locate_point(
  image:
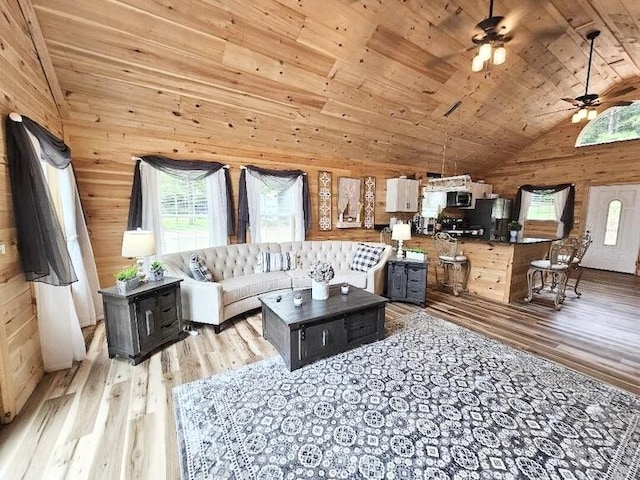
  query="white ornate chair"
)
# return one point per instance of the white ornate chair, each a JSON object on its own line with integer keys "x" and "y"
{"x": 451, "y": 262}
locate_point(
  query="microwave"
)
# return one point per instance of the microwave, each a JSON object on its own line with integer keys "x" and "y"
{"x": 459, "y": 199}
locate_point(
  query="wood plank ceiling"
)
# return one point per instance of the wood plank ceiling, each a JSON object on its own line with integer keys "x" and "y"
{"x": 359, "y": 79}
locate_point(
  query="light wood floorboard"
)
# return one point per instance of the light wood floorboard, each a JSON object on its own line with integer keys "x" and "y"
{"x": 106, "y": 419}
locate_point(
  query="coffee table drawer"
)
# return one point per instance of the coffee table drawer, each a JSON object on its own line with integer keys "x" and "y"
{"x": 321, "y": 340}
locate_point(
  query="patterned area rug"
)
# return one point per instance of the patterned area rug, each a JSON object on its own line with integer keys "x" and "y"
{"x": 431, "y": 401}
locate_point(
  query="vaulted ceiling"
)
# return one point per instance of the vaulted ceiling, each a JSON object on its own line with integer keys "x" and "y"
{"x": 353, "y": 79}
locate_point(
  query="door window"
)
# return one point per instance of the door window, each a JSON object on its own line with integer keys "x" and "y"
{"x": 613, "y": 223}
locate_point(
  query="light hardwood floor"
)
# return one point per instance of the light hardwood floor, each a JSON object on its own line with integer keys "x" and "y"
{"x": 106, "y": 419}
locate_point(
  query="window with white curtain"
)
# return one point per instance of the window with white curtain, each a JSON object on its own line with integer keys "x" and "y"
{"x": 185, "y": 209}
{"x": 184, "y": 213}
{"x": 277, "y": 223}
{"x": 542, "y": 207}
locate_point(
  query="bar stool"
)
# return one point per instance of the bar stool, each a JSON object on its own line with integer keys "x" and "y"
{"x": 557, "y": 267}
{"x": 451, "y": 263}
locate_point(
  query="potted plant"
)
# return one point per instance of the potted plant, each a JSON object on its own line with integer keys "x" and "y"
{"x": 127, "y": 279}
{"x": 514, "y": 227}
{"x": 156, "y": 270}
{"x": 418, "y": 254}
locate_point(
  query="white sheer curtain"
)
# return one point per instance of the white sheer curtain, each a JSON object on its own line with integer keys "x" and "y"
{"x": 525, "y": 203}
{"x": 559, "y": 203}
{"x": 217, "y": 198}
{"x": 63, "y": 310}
{"x": 216, "y": 188}
{"x": 254, "y": 193}
{"x": 298, "y": 212}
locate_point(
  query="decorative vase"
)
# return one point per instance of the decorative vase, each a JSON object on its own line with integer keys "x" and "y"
{"x": 319, "y": 290}
{"x": 156, "y": 275}
{"x": 514, "y": 235}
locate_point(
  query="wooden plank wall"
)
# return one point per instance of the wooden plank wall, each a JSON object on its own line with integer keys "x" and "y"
{"x": 554, "y": 159}
{"x": 23, "y": 88}
{"x": 104, "y": 172}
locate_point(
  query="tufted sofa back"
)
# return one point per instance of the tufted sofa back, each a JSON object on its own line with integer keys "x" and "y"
{"x": 230, "y": 261}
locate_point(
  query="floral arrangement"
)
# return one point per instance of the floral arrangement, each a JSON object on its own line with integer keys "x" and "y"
{"x": 320, "y": 271}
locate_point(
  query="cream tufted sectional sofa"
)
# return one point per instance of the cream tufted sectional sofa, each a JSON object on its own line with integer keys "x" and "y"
{"x": 236, "y": 286}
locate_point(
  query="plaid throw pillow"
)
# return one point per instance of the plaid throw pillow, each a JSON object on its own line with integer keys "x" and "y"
{"x": 366, "y": 257}
{"x": 199, "y": 269}
{"x": 276, "y": 261}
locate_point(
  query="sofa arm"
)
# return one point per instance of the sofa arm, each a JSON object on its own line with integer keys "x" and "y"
{"x": 202, "y": 301}
{"x": 376, "y": 276}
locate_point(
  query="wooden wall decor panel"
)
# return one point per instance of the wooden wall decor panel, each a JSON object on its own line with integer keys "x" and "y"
{"x": 24, "y": 89}
{"x": 369, "y": 202}
{"x": 324, "y": 201}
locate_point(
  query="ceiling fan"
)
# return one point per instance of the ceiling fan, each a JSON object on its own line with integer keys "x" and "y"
{"x": 586, "y": 103}
{"x": 491, "y": 33}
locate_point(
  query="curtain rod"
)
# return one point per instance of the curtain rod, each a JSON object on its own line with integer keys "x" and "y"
{"x": 135, "y": 159}
{"x": 242, "y": 167}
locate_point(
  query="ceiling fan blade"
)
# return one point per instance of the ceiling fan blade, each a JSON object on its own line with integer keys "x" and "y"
{"x": 555, "y": 111}
{"x": 572, "y": 101}
{"x": 617, "y": 103}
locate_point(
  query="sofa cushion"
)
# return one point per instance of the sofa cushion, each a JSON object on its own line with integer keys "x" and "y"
{"x": 199, "y": 269}
{"x": 276, "y": 261}
{"x": 239, "y": 288}
{"x": 366, "y": 257}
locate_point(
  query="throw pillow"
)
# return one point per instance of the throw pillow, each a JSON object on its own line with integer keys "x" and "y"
{"x": 276, "y": 261}
{"x": 366, "y": 257}
{"x": 199, "y": 269}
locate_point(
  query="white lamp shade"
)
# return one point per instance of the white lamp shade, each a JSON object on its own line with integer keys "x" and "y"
{"x": 575, "y": 118}
{"x": 138, "y": 243}
{"x": 401, "y": 231}
{"x": 592, "y": 114}
{"x": 499, "y": 55}
{"x": 485, "y": 51}
{"x": 477, "y": 64}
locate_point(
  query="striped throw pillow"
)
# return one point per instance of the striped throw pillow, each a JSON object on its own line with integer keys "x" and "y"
{"x": 276, "y": 261}
{"x": 199, "y": 269}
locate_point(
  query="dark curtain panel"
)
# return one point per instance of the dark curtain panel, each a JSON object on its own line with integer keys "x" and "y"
{"x": 41, "y": 242}
{"x": 171, "y": 167}
{"x": 567, "y": 213}
{"x": 243, "y": 207}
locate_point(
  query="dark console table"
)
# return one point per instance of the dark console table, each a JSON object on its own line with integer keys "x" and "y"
{"x": 321, "y": 328}
{"x": 143, "y": 319}
{"x": 407, "y": 280}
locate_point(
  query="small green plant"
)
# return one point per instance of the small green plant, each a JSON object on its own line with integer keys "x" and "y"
{"x": 415, "y": 249}
{"x": 127, "y": 273}
{"x": 156, "y": 266}
{"x": 514, "y": 225}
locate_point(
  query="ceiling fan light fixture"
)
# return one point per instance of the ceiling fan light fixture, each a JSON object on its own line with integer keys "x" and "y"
{"x": 477, "y": 64}
{"x": 575, "y": 118}
{"x": 592, "y": 114}
{"x": 499, "y": 55}
{"x": 582, "y": 114}
{"x": 485, "y": 52}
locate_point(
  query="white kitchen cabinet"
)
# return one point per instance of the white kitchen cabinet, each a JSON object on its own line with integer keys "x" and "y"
{"x": 402, "y": 195}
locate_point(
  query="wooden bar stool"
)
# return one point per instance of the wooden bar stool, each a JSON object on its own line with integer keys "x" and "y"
{"x": 555, "y": 268}
{"x": 451, "y": 263}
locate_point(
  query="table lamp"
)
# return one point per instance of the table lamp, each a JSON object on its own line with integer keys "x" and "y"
{"x": 401, "y": 232}
{"x": 140, "y": 244}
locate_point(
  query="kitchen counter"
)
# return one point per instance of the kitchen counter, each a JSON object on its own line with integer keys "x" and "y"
{"x": 498, "y": 268}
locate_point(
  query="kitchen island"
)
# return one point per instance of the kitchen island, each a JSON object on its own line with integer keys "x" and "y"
{"x": 498, "y": 268}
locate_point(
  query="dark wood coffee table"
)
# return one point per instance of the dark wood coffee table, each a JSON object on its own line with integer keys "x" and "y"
{"x": 321, "y": 328}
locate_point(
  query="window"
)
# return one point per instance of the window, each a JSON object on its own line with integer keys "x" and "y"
{"x": 276, "y": 218}
{"x": 542, "y": 206}
{"x": 613, "y": 223}
{"x": 615, "y": 124}
{"x": 184, "y": 223}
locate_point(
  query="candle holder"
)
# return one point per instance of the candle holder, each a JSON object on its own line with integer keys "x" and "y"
{"x": 297, "y": 299}
{"x": 344, "y": 288}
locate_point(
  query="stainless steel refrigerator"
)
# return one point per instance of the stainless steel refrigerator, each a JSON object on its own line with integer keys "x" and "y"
{"x": 492, "y": 214}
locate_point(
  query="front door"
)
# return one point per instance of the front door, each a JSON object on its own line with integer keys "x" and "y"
{"x": 613, "y": 217}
